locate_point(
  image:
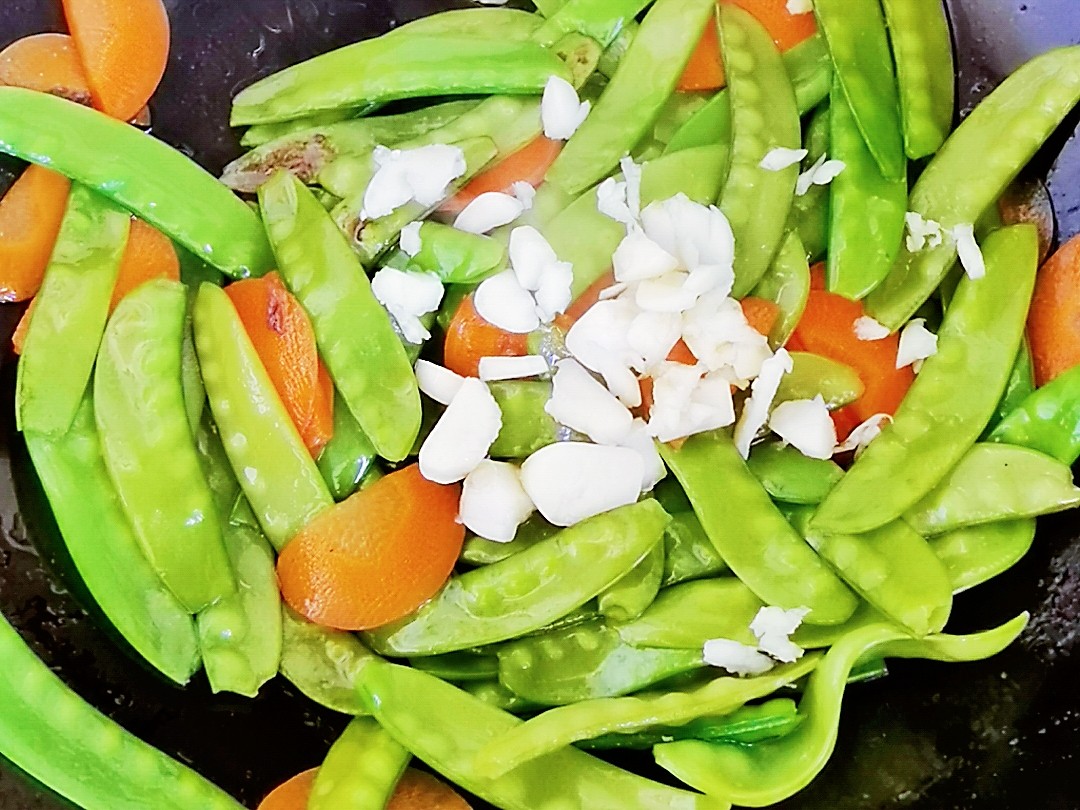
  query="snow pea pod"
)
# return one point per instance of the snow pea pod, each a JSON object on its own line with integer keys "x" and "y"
{"x": 1047, "y": 420}
{"x": 275, "y": 470}
{"x": 634, "y": 97}
{"x": 446, "y": 727}
{"x": 349, "y": 457}
{"x": 495, "y": 694}
{"x": 149, "y": 178}
{"x": 529, "y": 590}
{"x": 953, "y": 397}
{"x": 977, "y": 554}
{"x": 141, "y": 418}
{"x": 760, "y": 775}
{"x": 385, "y": 69}
{"x": 755, "y": 200}
{"x": 456, "y": 257}
{"x": 459, "y": 667}
{"x": 494, "y": 23}
{"x": 859, "y": 44}
{"x": 922, "y": 48}
{"x": 752, "y": 536}
{"x": 1021, "y": 385}
{"x": 361, "y": 769}
{"x": 812, "y": 375}
{"x": 261, "y": 134}
{"x": 994, "y": 482}
{"x": 810, "y": 213}
{"x": 789, "y": 476}
{"x": 353, "y": 331}
{"x": 105, "y": 552}
{"x": 866, "y": 209}
{"x": 526, "y": 426}
{"x": 586, "y": 662}
{"x": 688, "y": 552}
{"x": 630, "y": 596}
{"x": 686, "y": 616}
{"x": 600, "y": 20}
{"x": 974, "y": 167}
{"x": 787, "y": 284}
{"x": 478, "y": 551}
{"x": 323, "y": 664}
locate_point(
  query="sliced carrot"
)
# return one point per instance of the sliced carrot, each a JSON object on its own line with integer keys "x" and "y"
{"x": 1054, "y": 319}
{"x": 293, "y": 794}
{"x": 419, "y": 790}
{"x": 321, "y": 427}
{"x": 124, "y": 46}
{"x": 375, "y": 557}
{"x": 705, "y": 70}
{"x": 30, "y": 216}
{"x": 470, "y": 337}
{"x": 149, "y": 254}
{"x": 760, "y": 313}
{"x": 18, "y": 337}
{"x": 282, "y": 335}
{"x": 48, "y": 63}
{"x": 529, "y": 164}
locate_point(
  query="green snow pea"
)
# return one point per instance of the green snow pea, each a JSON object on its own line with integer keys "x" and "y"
{"x": 526, "y": 426}
{"x": 456, "y": 257}
{"x": 866, "y": 209}
{"x": 51, "y": 734}
{"x": 787, "y": 284}
{"x": 349, "y": 457}
{"x": 275, "y": 469}
{"x": 680, "y": 108}
{"x": 446, "y": 727}
{"x": 105, "y": 552}
{"x": 1047, "y": 420}
{"x": 507, "y": 599}
{"x": 151, "y": 179}
{"x": 750, "y": 533}
{"x": 809, "y": 216}
{"x": 953, "y": 397}
{"x": 585, "y": 662}
{"x": 859, "y": 44}
{"x": 495, "y": 694}
{"x": 141, "y": 418}
{"x": 812, "y": 375}
{"x": 565, "y": 725}
{"x": 323, "y": 664}
{"x": 688, "y": 552}
{"x": 600, "y": 20}
{"x": 977, "y": 554}
{"x": 632, "y": 594}
{"x": 70, "y": 315}
{"x": 353, "y": 331}
{"x": 974, "y": 167}
{"x": 1021, "y": 385}
{"x": 636, "y": 94}
{"x": 478, "y": 551}
{"x": 190, "y": 376}
{"x": 459, "y": 667}
{"x": 995, "y": 482}
{"x": 361, "y": 770}
{"x": 922, "y": 48}
{"x": 764, "y": 117}
{"x": 686, "y": 616}
{"x": 261, "y": 134}
{"x": 791, "y": 477}
{"x": 398, "y": 67}
{"x": 762, "y": 774}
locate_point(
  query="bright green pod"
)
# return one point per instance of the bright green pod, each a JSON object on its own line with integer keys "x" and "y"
{"x": 630, "y": 596}
{"x": 459, "y": 667}
{"x": 787, "y": 284}
{"x": 526, "y": 425}
{"x": 361, "y": 769}
{"x": 457, "y": 257}
{"x": 686, "y": 616}
{"x": 478, "y": 551}
{"x": 349, "y": 457}
{"x": 976, "y": 555}
{"x": 1021, "y": 385}
{"x": 688, "y": 552}
{"x": 791, "y": 477}
{"x": 601, "y": 20}
{"x": 812, "y": 375}
{"x": 323, "y": 664}
{"x": 1047, "y": 420}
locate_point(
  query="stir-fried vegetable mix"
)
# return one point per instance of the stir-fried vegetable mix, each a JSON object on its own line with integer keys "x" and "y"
{"x": 656, "y": 371}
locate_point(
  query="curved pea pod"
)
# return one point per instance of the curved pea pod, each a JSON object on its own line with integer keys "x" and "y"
{"x": 141, "y": 417}
{"x": 70, "y": 314}
{"x": 191, "y": 383}
{"x": 922, "y": 48}
{"x": 974, "y": 167}
{"x": 688, "y": 552}
{"x": 787, "y": 284}
{"x": 105, "y": 552}
{"x": 144, "y": 175}
{"x": 349, "y": 458}
{"x": 495, "y": 694}
{"x": 791, "y": 477}
{"x": 760, "y": 775}
{"x": 686, "y": 616}
{"x": 324, "y": 664}
{"x": 1047, "y": 420}
{"x": 813, "y": 375}
{"x": 565, "y": 725}
{"x": 995, "y": 482}
{"x": 977, "y": 554}
{"x": 531, "y": 589}
{"x": 459, "y": 667}
{"x": 478, "y": 551}
{"x": 752, "y": 536}
{"x": 275, "y": 470}
{"x": 457, "y": 257}
{"x": 445, "y": 728}
{"x": 262, "y": 134}
{"x": 600, "y": 20}
{"x": 361, "y": 769}
{"x": 526, "y": 426}
{"x": 809, "y": 216}
{"x": 630, "y": 596}
{"x": 1021, "y": 385}
{"x": 355, "y": 337}
{"x": 953, "y": 397}
{"x": 504, "y": 23}
{"x": 680, "y": 108}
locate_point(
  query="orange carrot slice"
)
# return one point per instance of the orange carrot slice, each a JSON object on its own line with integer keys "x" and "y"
{"x": 149, "y": 254}
{"x": 293, "y": 794}
{"x": 470, "y": 337}
{"x": 375, "y": 557}
{"x": 419, "y": 790}
{"x": 705, "y": 70}
{"x": 30, "y": 216}
{"x": 1054, "y": 319}
{"x": 48, "y": 63}
{"x": 18, "y": 337}
{"x": 760, "y": 313}
{"x": 529, "y": 164}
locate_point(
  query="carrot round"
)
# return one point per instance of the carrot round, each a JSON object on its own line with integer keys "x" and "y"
{"x": 30, "y": 216}
{"x": 529, "y": 164}
{"x": 149, "y": 254}
{"x": 760, "y": 313}
{"x": 1054, "y": 319}
{"x": 375, "y": 557}
{"x": 291, "y": 795}
{"x": 48, "y": 63}
{"x": 469, "y": 337}
{"x": 18, "y": 337}
{"x": 419, "y": 790}
{"x": 124, "y": 46}
{"x": 705, "y": 70}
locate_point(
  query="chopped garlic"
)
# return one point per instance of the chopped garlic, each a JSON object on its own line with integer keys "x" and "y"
{"x": 408, "y": 296}
{"x": 503, "y": 302}
{"x": 555, "y": 291}
{"x": 736, "y": 658}
{"x": 638, "y": 258}
{"x": 922, "y": 232}
{"x": 561, "y": 111}
{"x": 653, "y": 335}
{"x": 718, "y": 334}
{"x": 401, "y": 176}
{"x": 493, "y": 501}
{"x": 572, "y": 481}
{"x": 793, "y": 6}
{"x": 687, "y": 401}
{"x": 666, "y": 293}
{"x": 489, "y": 211}
{"x": 971, "y": 257}
{"x": 916, "y": 343}
{"x": 512, "y": 368}
{"x": 524, "y": 192}
{"x": 438, "y": 383}
{"x": 859, "y": 439}
{"x": 866, "y": 328}
{"x": 696, "y": 235}
{"x": 773, "y": 626}
{"x": 822, "y": 173}
{"x": 611, "y": 201}
{"x": 530, "y": 253}
{"x": 805, "y": 424}
{"x": 463, "y": 435}
{"x": 640, "y": 440}
{"x": 598, "y": 340}
{"x": 632, "y": 178}
{"x": 782, "y": 158}
{"x": 756, "y": 409}
{"x": 583, "y": 404}
{"x": 410, "y": 239}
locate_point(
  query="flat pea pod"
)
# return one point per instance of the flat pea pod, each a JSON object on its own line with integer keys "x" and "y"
{"x": 697, "y": 173}
{"x": 584, "y": 662}
{"x": 812, "y": 375}
{"x": 688, "y": 552}
{"x": 809, "y": 216}
{"x": 354, "y": 334}
{"x": 275, "y": 469}
{"x": 995, "y": 482}
{"x": 457, "y": 257}
{"x": 601, "y": 20}
{"x": 791, "y": 477}
{"x": 974, "y": 167}
{"x": 141, "y": 418}
{"x": 398, "y": 67}
{"x": 680, "y": 108}
{"x": 529, "y": 590}
{"x": 495, "y": 694}
{"x": 755, "y": 200}
{"x": 977, "y": 554}
{"x": 952, "y": 398}
{"x": 323, "y": 664}
{"x": 349, "y": 458}
{"x": 787, "y": 284}
{"x": 866, "y": 209}
{"x": 686, "y": 616}
{"x": 1047, "y": 420}
{"x": 445, "y": 728}
{"x": 478, "y": 551}
{"x": 922, "y": 48}
{"x": 70, "y": 315}
{"x": 634, "y": 97}
{"x": 632, "y": 594}
{"x": 504, "y": 23}
{"x": 1021, "y": 385}
{"x": 526, "y": 426}
{"x": 752, "y": 536}
{"x": 262, "y": 134}
{"x": 459, "y": 667}
{"x": 191, "y": 384}
{"x": 361, "y": 770}
{"x": 149, "y": 178}
{"x": 763, "y": 774}
{"x": 105, "y": 552}
{"x": 565, "y": 725}
{"x": 859, "y": 45}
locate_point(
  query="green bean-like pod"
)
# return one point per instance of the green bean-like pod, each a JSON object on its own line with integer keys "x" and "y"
{"x": 361, "y": 769}
{"x": 787, "y": 284}
{"x": 812, "y": 375}
{"x": 1047, "y": 420}
{"x": 791, "y": 477}
{"x": 324, "y": 664}
{"x": 809, "y": 216}
{"x": 1021, "y": 385}
{"x": 630, "y": 596}
{"x": 978, "y": 554}
{"x": 686, "y": 616}
{"x": 688, "y": 552}
{"x": 459, "y": 667}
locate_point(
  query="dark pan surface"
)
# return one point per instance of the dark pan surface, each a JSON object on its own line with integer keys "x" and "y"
{"x": 997, "y": 735}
